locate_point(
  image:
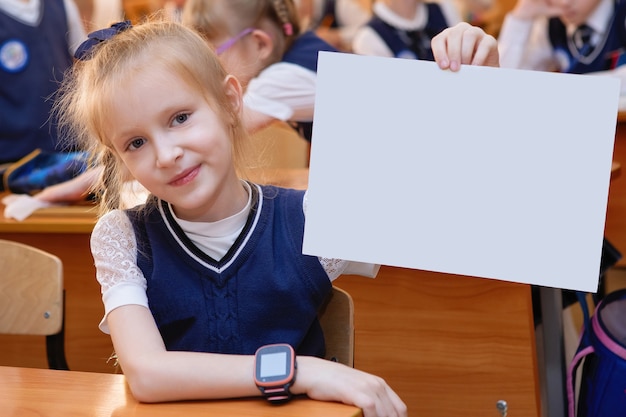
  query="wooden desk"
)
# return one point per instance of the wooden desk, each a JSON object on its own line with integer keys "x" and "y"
{"x": 449, "y": 345}
{"x": 47, "y": 393}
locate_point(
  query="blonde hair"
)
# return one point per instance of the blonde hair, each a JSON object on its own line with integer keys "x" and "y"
{"x": 226, "y": 18}
{"x": 88, "y": 92}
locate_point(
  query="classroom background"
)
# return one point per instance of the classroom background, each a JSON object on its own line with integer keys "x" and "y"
{"x": 414, "y": 342}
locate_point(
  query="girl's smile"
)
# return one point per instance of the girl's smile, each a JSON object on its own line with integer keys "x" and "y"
{"x": 185, "y": 177}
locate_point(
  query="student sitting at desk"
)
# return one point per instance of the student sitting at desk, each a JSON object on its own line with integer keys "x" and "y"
{"x": 260, "y": 41}
{"x": 210, "y": 268}
{"x": 578, "y": 37}
{"x": 37, "y": 40}
{"x": 404, "y": 28}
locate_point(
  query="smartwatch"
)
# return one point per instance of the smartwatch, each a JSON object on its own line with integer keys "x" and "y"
{"x": 275, "y": 371}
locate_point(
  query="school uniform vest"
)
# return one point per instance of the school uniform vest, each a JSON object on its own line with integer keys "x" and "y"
{"x": 303, "y": 52}
{"x": 608, "y": 52}
{"x": 262, "y": 291}
{"x": 32, "y": 62}
{"x": 413, "y": 44}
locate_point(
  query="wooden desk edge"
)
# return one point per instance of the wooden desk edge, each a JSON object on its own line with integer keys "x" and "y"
{"x": 67, "y": 388}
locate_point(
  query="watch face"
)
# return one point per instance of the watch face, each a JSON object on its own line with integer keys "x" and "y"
{"x": 274, "y": 364}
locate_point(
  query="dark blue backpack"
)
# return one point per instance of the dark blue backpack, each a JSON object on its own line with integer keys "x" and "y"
{"x": 602, "y": 353}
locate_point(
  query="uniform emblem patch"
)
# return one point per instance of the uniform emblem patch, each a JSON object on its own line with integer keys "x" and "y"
{"x": 13, "y": 56}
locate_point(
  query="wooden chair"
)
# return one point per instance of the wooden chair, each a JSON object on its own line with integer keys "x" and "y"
{"x": 337, "y": 320}
{"x": 32, "y": 297}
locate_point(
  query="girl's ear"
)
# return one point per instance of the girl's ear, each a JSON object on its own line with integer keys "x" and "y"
{"x": 234, "y": 93}
{"x": 263, "y": 42}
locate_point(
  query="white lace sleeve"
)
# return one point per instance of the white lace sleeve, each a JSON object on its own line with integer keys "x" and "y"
{"x": 336, "y": 267}
{"x": 114, "y": 250}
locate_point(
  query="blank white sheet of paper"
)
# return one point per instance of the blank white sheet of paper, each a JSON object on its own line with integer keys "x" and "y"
{"x": 485, "y": 172}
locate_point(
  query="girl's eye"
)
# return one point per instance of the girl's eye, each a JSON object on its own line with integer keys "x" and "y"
{"x": 181, "y": 118}
{"x": 136, "y": 144}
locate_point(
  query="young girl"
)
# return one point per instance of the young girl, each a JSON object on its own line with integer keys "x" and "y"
{"x": 259, "y": 41}
{"x": 210, "y": 268}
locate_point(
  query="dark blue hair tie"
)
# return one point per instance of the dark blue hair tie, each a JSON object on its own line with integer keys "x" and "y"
{"x": 84, "y": 50}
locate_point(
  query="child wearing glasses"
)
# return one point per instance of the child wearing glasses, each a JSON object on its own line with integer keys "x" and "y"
{"x": 260, "y": 42}
{"x": 210, "y": 268}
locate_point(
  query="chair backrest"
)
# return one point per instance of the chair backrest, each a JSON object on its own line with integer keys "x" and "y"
{"x": 32, "y": 297}
{"x": 337, "y": 320}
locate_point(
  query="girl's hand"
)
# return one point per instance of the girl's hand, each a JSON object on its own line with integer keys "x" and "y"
{"x": 331, "y": 381}
{"x": 464, "y": 44}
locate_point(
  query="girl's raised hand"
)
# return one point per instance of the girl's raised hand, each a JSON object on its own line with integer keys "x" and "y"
{"x": 464, "y": 44}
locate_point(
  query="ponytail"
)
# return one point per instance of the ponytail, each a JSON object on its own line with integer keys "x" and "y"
{"x": 285, "y": 9}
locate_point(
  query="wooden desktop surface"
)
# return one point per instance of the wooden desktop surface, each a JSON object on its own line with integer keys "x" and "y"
{"x": 449, "y": 345}
{"x": 47, "y": 393}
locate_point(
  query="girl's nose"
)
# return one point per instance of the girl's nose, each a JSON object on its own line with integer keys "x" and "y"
{"x": 167, "y": 154}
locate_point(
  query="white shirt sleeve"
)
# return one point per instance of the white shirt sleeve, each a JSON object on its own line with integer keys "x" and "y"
{"x": 283, "y": 91}
{"x": 367, "y": 42}
{"x": 75, "y": 26}
{"x": 114, "y": 249}
{"x": 524, "y": 44}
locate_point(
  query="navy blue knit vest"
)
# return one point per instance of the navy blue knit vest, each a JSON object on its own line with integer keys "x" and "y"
{"x": 32, "y": 62}
{"x": 608, "y": 53}
{"x": 414, "y": 44}
{"x": 262, "y": 291}
{"x": 303, "y": 52}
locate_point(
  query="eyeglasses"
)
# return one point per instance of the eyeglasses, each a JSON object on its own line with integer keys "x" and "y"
{"x": 230, "y": 42}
